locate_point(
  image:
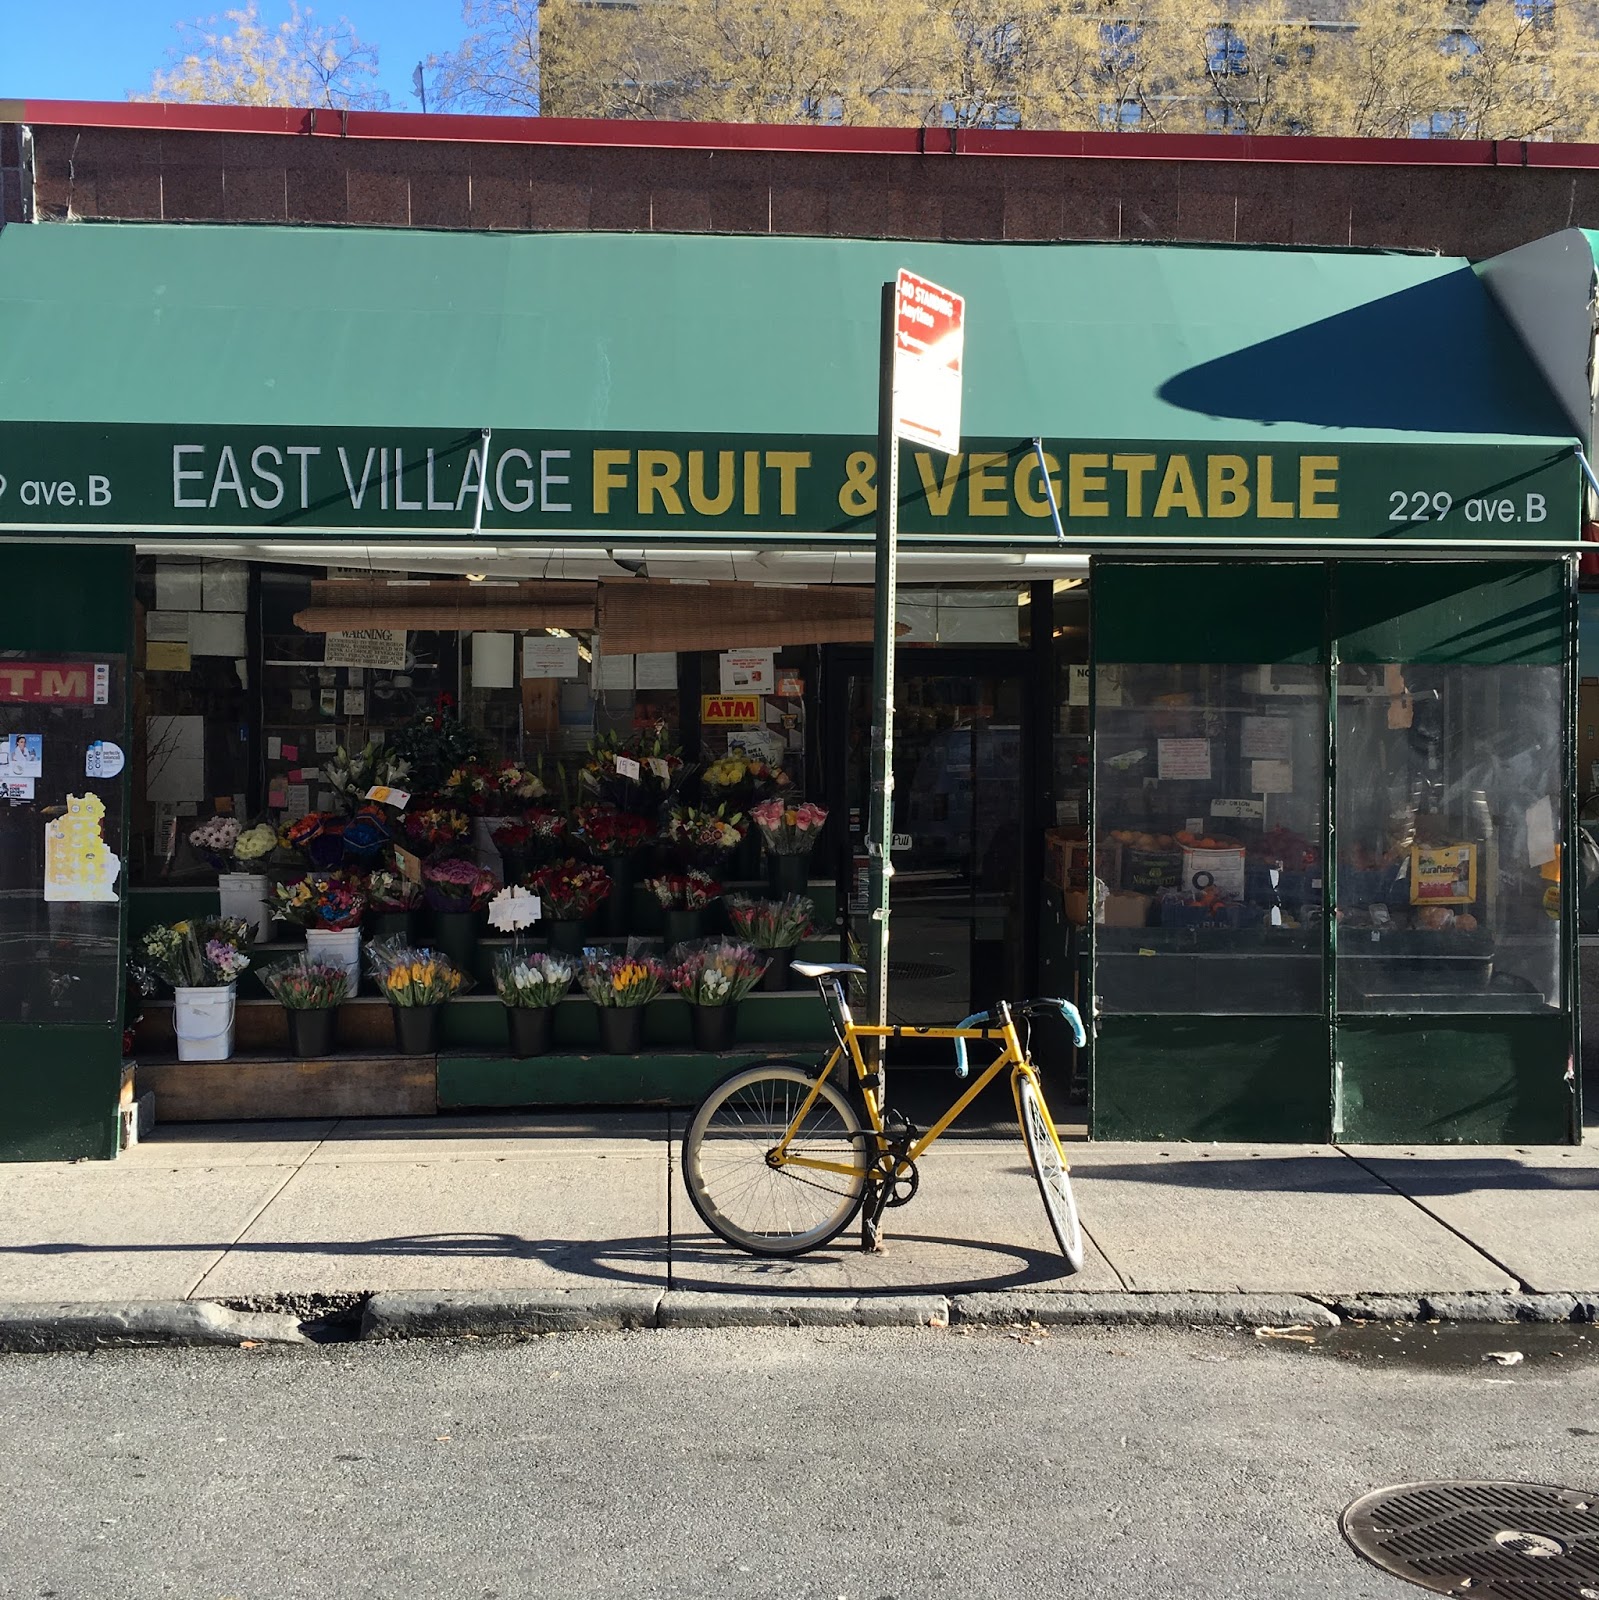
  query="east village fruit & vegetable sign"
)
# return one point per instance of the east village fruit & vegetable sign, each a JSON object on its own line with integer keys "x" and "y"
{"x": 137, "y": 478}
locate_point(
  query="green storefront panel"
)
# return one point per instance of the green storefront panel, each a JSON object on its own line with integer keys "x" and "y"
{"x": 1457, "y": 1080}
{"x": 1226, "y": 1078}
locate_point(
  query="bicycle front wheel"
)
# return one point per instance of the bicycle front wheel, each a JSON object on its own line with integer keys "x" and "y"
{"x": 766, "y": 1204}
{"x": 1049, "y": 1167}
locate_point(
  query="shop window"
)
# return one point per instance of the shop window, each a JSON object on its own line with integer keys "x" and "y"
{"x": 1209, "y": 816}
{"x": 1449, "y": 829}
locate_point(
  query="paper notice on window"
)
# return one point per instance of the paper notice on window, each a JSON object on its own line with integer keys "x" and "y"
{"x": 1238, "y": 810}
{"x": 365, "y": 647}
{"x": 748, "y": 672}
{"x": 1267, "y": 739}
{"x": 166, "y": 655}
{"x": 224, "y": 585}
{"x": 1271, "y": 777}
{"x": 1540, "y": 832}
{"x": 217, "y": 633}
{"x": 613, "y": 671}
{"x": 174, "y": 758}
{"x": 179, "y": 585}
{"x": 1077, "y": 679}
{"x": 22, "y": 755}
{"x": 298, "y": 803}
{"x": 655, "y": 669}
{"x": 549, "y": 658}
{"x": 1183, "y": 759}
{"x": 169, "y": 626}
{"x": 493, "y": 660}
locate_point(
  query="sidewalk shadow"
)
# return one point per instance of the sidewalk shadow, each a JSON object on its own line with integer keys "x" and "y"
{"x": 1462, "y": 1173}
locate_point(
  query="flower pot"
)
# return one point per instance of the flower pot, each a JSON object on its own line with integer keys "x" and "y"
{"x": 713, "y": 1027}
{"x": 777, "y": 976}
{"x": 342, "y": 949}
{"x": 788, "y": 874}
{"x": 564, "y": 934}
{"x": 455, "y": 934}
{"x": 682, "y": 926}
{"x": 247, "y": 896}
{"x": 406, "y": 925}
{"x": 531, "y": 1029}
{"x": 745, "y": 866}
{"x": 416, "y": 1029}
{"x": 311, "y": 1032}
{"x": 616, "y": 917}
{"x": 203, "y": 1022}
{"x": 621, "y": 1029}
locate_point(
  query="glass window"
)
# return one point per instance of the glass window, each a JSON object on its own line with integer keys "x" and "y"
{"x": 1449, "y": 828}
{"x": 1209, "y": 817}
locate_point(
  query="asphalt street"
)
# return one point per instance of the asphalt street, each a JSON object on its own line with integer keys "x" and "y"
{"x": 871, "y": 1465}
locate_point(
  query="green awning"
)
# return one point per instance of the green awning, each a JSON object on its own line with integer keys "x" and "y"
{"x": 314, "y": 381}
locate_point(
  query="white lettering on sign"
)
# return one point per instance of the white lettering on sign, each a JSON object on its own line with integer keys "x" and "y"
{"x": 929, "y": 348}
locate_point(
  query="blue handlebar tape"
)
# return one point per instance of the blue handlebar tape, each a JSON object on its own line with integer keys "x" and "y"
{"x": 975, "y": 1020}
{"x": 1070, "y": 1013}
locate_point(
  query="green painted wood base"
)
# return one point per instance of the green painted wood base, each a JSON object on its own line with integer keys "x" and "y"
{"x": 1457, "y": 1080}
{"x": 59, "y": 1086}
{"x": 1229, "y": 1078}
{"x": 796, "y": 1018}
{"x": 656, "y": 1078}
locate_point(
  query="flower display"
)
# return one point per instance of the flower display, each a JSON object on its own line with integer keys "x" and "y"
{"x": 322, "y": 900}
{"x": 612, "y": 980}
{"x": 693, "y": 890}
{"x": 661, "y": 769}
{"x": 255, "y": 844}
{"x": 203, "y": 953}
{"x": 692, "y": 829}
{"x": 606, "y": 831}
{"x": 349, "y": 776}
{"x": 532, "y": 981}
{"x": 366, "y": 833}
{"x": 392, "y": 891}
{"x": 436, "y": 829}
{"x": 518, "y": 786}
{"x": 771, "y": 924}
{"x": 306, "y": 985}
{"x": 455, "y": 884}
{"x": 738, "y": 773}
{"x": 408, "y": 976}
{"x": 719, "y": 972}
{"x": 433, "y": 746}
{"x": 318, "y": 837}
{"x": 789, "y": 830}
{"x": 215, "y": 841}
{"x": 473, "y": 786}
{"x": 570, "y": 890}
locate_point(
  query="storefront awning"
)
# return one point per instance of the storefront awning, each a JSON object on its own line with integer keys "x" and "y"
{"x": 279, "y": 385}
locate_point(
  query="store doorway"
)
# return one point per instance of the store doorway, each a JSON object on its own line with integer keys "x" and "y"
{"x": 962, "y": 750}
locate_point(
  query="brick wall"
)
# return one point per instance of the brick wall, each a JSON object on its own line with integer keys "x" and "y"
{"x": 192, "y": 176}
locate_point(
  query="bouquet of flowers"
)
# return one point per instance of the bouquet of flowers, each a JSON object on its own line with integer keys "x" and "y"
{"x": 569, "y": 891}
{"x": 704, "y": 834}
{"x": 203, "y": 953}
{"x": 392, "y": 891}
{"x": 255, "y": 844}
{"x": 349, "y": 776}
{"x": 605, "y": 831}
{"x": 661, "y": 770}
{"x": 771, "y": 924}
{"x": 471, "y": 786}
{"x": 366, "y": 833}
{"x": 323, "y": 900}
{"x": 517, "y": 786}
{"x": 693, "y": 890}
{"x": 789, "y": 830}
{"x": 306, "y": 985}
{"x": 215, "y": 841}
{"x": 318, "y": 837}
{"x": 736, "y": 775}
{"x": 433, "y": 746}
{"x": 612, "y": 980}
{"x": 408, "y": 976}
{"x": 532, "y": 981}
{"x": 719, "y": 972}
{"x": 436, "y": 830}
{"x": 455, "y": 884}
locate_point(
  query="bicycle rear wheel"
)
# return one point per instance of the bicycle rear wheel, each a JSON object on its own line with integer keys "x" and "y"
{"x": 1049, "y": 1167}
{"x": 767, "y": 1209}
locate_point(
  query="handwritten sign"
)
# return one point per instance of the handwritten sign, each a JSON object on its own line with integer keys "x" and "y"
{"x": 1185, "y": 759}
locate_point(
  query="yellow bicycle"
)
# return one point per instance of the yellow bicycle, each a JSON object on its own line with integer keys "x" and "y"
{"x": 777, "y": 1160}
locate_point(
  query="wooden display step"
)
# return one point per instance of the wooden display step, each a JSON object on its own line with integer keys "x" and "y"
{"x": 249, "y": 1087}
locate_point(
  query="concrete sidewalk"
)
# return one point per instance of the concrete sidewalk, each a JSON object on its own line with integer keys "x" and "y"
{"x": 271, "y": 1211}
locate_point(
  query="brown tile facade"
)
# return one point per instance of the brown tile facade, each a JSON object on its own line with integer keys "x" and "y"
{"x": 238, "y": 177}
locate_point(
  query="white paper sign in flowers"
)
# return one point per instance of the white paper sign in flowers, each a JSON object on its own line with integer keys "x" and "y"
{"x": 513, "y": 909}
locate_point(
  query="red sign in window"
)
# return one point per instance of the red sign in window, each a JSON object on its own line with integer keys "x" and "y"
{"x": 57, "y": 683}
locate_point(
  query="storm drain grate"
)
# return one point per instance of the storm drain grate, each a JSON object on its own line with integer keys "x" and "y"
{"x": 1516, "y": 1541}
{"x": 916, "y": 971}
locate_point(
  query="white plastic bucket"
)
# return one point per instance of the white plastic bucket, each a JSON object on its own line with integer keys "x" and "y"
{"x": 246, "y": 895}
{"x": 337, "y": 950}
{"x": 203, "y": 1022}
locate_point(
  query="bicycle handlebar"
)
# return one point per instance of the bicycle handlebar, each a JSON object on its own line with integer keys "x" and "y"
{"x": 1028, "y": 1008}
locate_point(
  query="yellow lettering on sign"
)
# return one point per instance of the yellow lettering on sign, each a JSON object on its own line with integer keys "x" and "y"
{"x": 658, "y": 472}
{"x": 1082, "y": 482}
{"x": 1137, "y": 468}
{"x": 1178, "y": 488}
{"x": 726, "y": 483}
{"x": 940, "y": 492}
{"x": 739, "y": 710}
{"x": 1227, "y": 485}
{"x": 1265, "y": 505}
{"x": 985, "y": 478}
{"x": 1315, "y": 485}
{"x": 1035, "y": 504}
{"x": 607, "y": 477}
{"x": 752, "y": 483}
{"x": 788, "y": 464}
{"x": 57, "y": 685}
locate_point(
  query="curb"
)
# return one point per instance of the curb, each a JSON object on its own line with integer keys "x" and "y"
{"x": 62, "y": 1325}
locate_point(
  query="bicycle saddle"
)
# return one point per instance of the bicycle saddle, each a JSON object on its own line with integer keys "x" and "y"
{"x": 820, "y": 969}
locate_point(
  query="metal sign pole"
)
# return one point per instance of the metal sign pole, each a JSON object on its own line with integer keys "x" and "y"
{"x": 880, "y": 824}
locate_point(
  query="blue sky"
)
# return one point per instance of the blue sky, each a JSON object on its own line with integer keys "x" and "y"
{"x": 101, "y": 49}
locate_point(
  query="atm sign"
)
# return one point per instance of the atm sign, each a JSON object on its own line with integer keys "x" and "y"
{"x": 60, "y": 683}
{"x": 730, "y": 710}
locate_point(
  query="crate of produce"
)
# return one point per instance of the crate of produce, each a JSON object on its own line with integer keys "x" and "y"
{"x": 1220, "y": 869}
{"x": 1149, "y": 871}
{"x": 1176, "y": 912}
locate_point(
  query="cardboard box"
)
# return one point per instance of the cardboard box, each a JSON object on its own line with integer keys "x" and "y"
{"x": 1066, "y": 857}
{"x": 1226, "y": 869}
{"x": 1126, "y": 909}
{"x": 1075, "y": 902}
